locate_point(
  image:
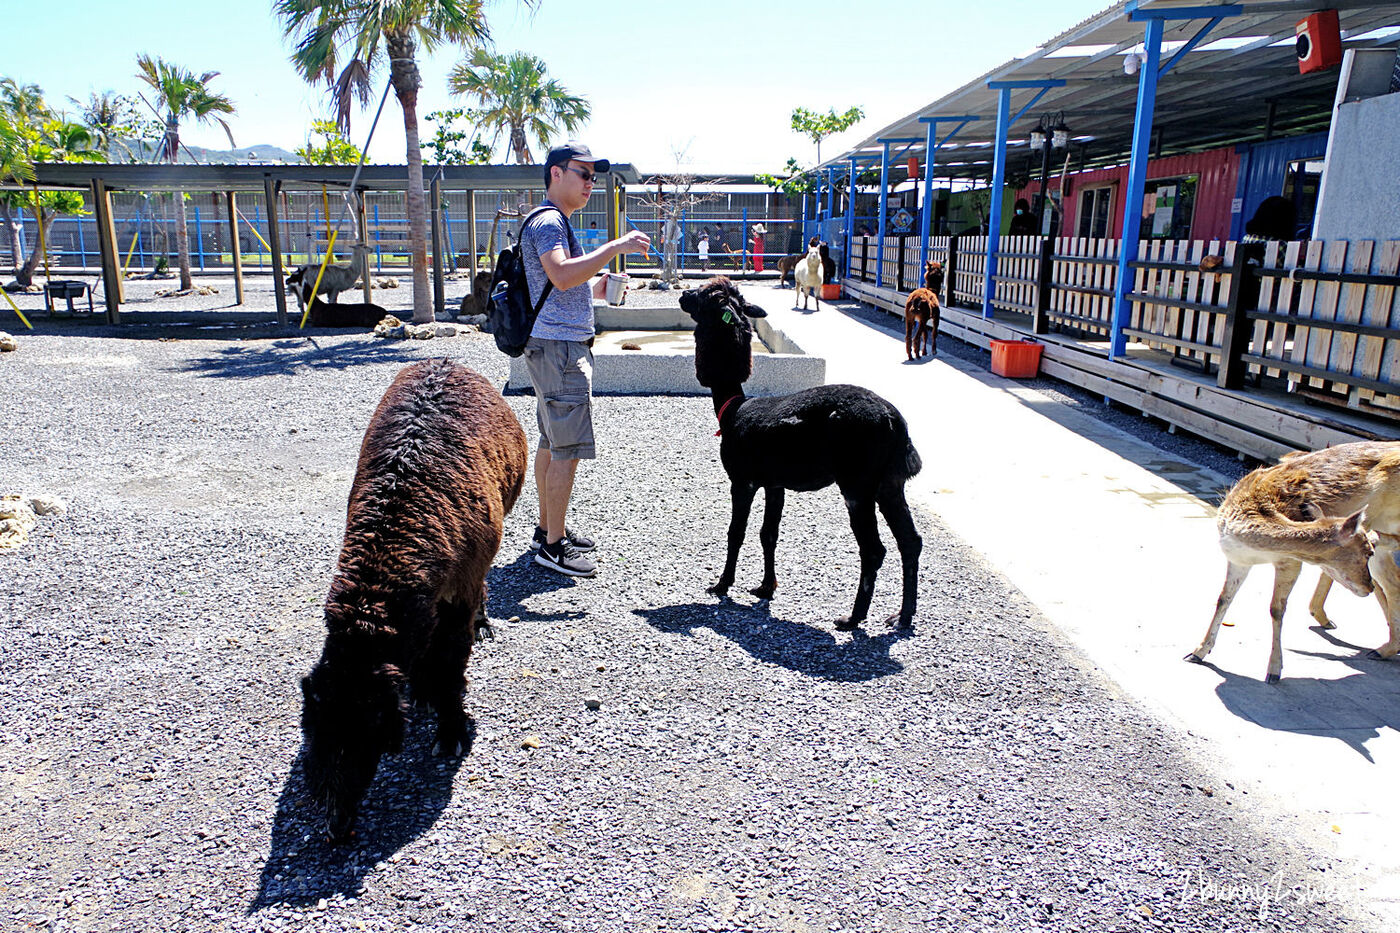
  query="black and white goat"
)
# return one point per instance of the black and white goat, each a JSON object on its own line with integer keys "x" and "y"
{"x": 808, "y": 440}
{"x": 338, "y": 277}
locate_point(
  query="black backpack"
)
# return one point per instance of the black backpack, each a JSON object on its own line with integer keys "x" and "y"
{"x": 510, "y": 316}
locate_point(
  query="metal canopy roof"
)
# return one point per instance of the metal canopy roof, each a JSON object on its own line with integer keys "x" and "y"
{"x": 185, "y": 177}
{"x": 1219, "y": 93}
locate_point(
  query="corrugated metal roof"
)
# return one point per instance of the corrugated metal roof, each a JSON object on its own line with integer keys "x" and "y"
{"x": 1220, "y": 93}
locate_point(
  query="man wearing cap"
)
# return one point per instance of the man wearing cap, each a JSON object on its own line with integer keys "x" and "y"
{"x": 559, "y": 353}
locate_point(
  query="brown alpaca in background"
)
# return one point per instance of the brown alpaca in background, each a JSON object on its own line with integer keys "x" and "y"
{"x": 921, "y": 312}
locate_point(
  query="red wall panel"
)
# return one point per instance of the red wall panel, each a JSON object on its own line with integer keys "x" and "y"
{"x": 1218, "y": 170}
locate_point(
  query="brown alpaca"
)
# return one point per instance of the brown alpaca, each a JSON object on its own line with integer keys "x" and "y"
{"x": 1309, "y": 508}
{"x": 441, "y": 465}
{"x": 921, "y": 314}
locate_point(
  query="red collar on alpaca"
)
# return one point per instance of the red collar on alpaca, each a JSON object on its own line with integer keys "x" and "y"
{"x": 719, "y": 415}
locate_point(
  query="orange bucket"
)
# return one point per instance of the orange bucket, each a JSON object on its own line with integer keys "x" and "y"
{"x": 831, "y": 291}
{"x": 1016, "y": 359}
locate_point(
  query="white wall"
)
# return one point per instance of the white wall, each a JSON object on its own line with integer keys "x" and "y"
{"x": 1360, "y": 196}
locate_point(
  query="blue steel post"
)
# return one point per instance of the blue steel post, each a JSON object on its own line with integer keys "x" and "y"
{"x": 1137, "y": 181}
{"x": 926, "y": 218}
{"x": 744, "y": 262}
{"x": 880, "y": 235}
{"x": 850, "y": 216}
{"x": 82, "y": 249}
{"x": 998, "y": 181}
{"x": 199, "y": 238}
{"x": 829, "y": 195}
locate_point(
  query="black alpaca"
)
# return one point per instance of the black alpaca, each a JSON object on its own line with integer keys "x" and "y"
{"x": 345, "y": 314}
{"x": 441, "y": 465}
{"x": 808, "y": 440}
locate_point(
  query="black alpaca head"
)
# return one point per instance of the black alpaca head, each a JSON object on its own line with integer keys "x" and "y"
{"x": 348, "y": 723}
{"x": 723, "y": 335}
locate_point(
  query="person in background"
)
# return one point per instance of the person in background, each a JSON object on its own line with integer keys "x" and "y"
{"x": 1022, "y": 220}
{"x": 759, "y": 231}
{"x": 703, "y": 248}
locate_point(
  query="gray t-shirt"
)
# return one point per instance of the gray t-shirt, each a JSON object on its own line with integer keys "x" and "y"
{"x": 567, "y": 314}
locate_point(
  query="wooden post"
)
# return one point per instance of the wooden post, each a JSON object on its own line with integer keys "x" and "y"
{"x": 1044, "y": 281}
{"x": 1244, "y": 294}
{"x": 439, "y": 302}
{"x": 235, "y": 248}
{"x": 107, "y": 251}
{"x": 471, "y": 227}
{"x": 950, "y": 276}
{"x": 274, "y": 242}
{"x": 362, "y": 229}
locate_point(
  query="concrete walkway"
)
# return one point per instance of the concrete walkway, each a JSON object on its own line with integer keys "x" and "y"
{"x": 1114, "y": 540}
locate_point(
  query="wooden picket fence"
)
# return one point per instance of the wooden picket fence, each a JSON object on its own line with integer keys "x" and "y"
{"x": 1321, "y": 318}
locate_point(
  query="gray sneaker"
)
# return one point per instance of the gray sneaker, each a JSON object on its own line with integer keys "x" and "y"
{"x": 563, "y": 557}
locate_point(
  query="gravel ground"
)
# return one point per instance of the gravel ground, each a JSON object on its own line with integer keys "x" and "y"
{"x": 750, "y": 768}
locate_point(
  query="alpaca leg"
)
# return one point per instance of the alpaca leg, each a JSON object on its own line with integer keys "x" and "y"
{"x": 872, "y": 555}
{"x": 442, "y": 674}
{"x": 1285, "y": 575}
{"x": 1234, "y": 578}
{"x": 773, "y": 497}
{"x": 481, "y": 625}
{"x": 896, "y": 511}
{"x": 932, "y": 336}
{"x": 741, "y": 496}
{"x": 909, "y": 339}
{"x": 1319, "y": 597}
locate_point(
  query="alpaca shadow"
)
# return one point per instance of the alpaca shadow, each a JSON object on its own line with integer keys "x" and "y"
{"x": 509, "y": 585}
{"x": 287, "y": 356}
{"x": 1352, "y": 709}
{"x": 409, "y": 793}
{"x": 796, "y": 646}
{"x": 920, "y": 361}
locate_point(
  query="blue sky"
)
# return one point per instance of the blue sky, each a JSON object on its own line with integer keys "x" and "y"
{"x": 715, "y": 81}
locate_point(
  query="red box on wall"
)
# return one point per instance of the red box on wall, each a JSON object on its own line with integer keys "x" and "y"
{"x": 1319, "y": 41}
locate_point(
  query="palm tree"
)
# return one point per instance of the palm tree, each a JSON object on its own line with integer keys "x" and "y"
{"x": 111, "y": 118}
{"x": 516, "y": 98}
{"x": 180, "y": 93}
{"x": 360, "y": 33}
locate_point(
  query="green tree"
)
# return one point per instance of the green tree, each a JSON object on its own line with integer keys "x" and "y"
{"x": 335, "y": 150}
{"x": 453, "y": 146}
{"x": 818, "y": 126}
{"x": 341, "y": 41}
{"x": 517, "y": 98}
{"x": 181, "y": 95}
{"x": 113, "y": 121}
{"x": 31, "y": 132}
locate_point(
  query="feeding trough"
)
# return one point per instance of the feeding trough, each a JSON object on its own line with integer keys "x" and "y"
{"x": 663, "y": 362}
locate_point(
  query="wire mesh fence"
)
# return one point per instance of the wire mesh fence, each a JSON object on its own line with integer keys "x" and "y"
{"x": 744, "y": 230}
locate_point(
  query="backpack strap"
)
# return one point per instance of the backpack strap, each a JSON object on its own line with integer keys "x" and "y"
{"x": 548, "y": 285}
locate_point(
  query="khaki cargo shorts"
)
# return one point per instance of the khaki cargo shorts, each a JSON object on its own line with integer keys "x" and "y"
{"x": 562, "y": 374}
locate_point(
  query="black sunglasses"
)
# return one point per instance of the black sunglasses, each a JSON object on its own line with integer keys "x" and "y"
{"x": 588, "y": 177}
